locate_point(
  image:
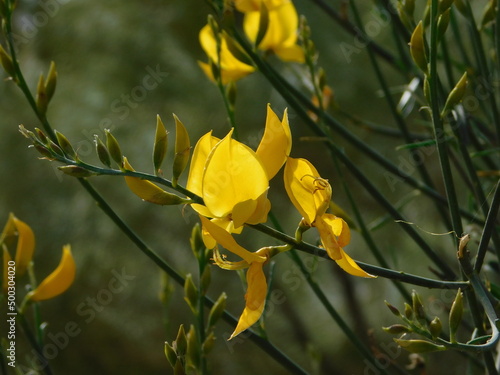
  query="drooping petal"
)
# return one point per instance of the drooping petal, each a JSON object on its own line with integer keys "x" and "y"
{"x": 226, "y": 240}
{"x": 275, "y": 144}
{"x": 255, "y": 298}
{"x": 233, "y": 174}
{"x": 25, "y": 245}
{"x": 195, "y": 177}
{"x": 148, "y": 191}
{"x": 339, "y": 228}
{"x": 350, "y": 266}
{"x": 231, "y": 68}
{"x": 58, "y": 281}
{"x": 328, "y": 237}
{"x": 261, "y": 210}
{"x": 226, "y": 264}
{"x": 299, "y": 176}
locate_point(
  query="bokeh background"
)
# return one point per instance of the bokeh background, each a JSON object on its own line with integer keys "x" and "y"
{"x": 103, "y": 50}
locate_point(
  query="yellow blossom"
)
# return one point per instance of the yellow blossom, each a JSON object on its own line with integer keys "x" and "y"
{"x": 58, "y": 281}
{"x": 25, "y": 242}
{"x": 255, "y": 296}
{"x": 311, "y": 195}
{"x": 253, "y": 5}
{"x": 231, "y": 69}
{"x": 281, "y": 34}
{"x": 233, "y": 180}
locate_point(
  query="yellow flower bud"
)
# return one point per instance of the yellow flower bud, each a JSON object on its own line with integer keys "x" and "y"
{"x": 456, "y": 95}
{"x": 417, "y": 47}
{"x": 113, "y": 148}
{"x": 456, "y": 312}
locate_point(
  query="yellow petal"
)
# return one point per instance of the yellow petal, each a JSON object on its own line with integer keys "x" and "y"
{"x": 226, "y": 264}
{"x": 276, "y": 143}
{"x": 225, "y": 223}
{"x": 233, "y": 174}
{"x": 148, "y": 191}
{"x": 255, "y": 298}
{"x": 350, "y": 266}
{"x": 292, "y": 53}
{"x": 58, "y": 281}
{"x": 328, "y": 237}
{"x": 261, "y": 210}
{"x": 226, "y": 240}
{"x": 253, "y": 5}
{"x": 6, "y": 260}
{"x": 25, "y": 245}
{"x": 302, "y": 186}
{"x": 339, "y": 228}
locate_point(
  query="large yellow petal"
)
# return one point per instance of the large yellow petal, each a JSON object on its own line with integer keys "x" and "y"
{"x": 253, "y": 5}
{"x": 58, "y": 281}
{"x": 25, "y": 245}
{"x": 233, "y": 174}
{"x": 299, "y": 177}
{"x": 148, "y": 191}
{"x": 261, "y": 210}
{"x": 350, "y": 266}
{"x": 255, "y": 298}
{"x": 328, "y": 237}
{"x": 226, "y": 240}
{"x": 339, "y": 228}
{"x": 275, "y": 144}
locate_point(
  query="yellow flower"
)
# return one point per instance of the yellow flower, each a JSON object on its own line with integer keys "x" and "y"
{"x": 281, "y": 33}
{"x": 25, "y": 242}
{"x": 58, "y": 281}
{"x": 253, "y": 5}
{"x": 255, "y": 296}
{"x": 231, "y": 69}
{"x": 233, "y": 180}
{"x": 311, "y": 195}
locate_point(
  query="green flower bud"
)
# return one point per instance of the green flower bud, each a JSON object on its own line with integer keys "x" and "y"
{"x": 102, "y": 151}
{"x": 179, "y": 369}
{"x": 418, "y": 307}
{"x": 417, "y": 48}
{"x": 217, "y": 310}
{"x": 55, "y": 149}
{"x": 205, "y": 279}
{"x": 193, "y": 348}
{"x": 113, "y": 148}
{"x": 443, "y": 22}
{"x": 44, "y": 151}
{"x": 393, "y": 309}
{"x": 66, "y": 145}
{"x": 7, "y": 63}
{"x": 456, "y": 313}
{"x": 396, "y": 329}
{"x": 191, "y": 294}
{"x": 489, "y": 13}
{"x": 42, "y": 101}
{"x": 50, "y": 83}
{"x": 41, "y": 136}
{"x": 208, "y": 344}
{"x": 408, "y": 311}
{"x": 435, "y": 327}
{"x": 419, "y": 346}
{"x": 444, "y": 6}
{"x": 180, "y": 343}
{"x": 160, "y": 145}
{"x": 182, "y": 150}
{"x": 76, "y": 171}
{"x": 170, "y": 354}
{"x": 196, "y": 241}
{"x": 456, "y": 95}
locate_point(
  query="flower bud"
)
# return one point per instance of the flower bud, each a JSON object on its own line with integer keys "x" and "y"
{"x": 41, "y": 136}
{"x": 170, "y": 354}
{"x": 44, "y": 151}
{"x": 456, "y": 95}
{"x": 456, "y": 312}
{"x": 66, "y": 145}
{"x": 396, "y": 329}
{"x": 418, "y": 307}
{"x": 182, "y": 150}
{"x": 51, "y": 81}
{"x": 419, "y": 346}
{"x": 160, "y": 145}
{"x": 417, "y": 48}
{"x": 435, "y": 327}
{"x": 76, "y": 171}
{"x": 206, "y": 277}
{"x": 217, "y": 310}
{"x": 55, "y": 149}
{"x": 191, "y": 294}
{"x": 196, "y": 241}
{"x": 208, "y": 344}
{"x": 7, "y": 63}
{"x": 393, "y": 309}
{"x": 102, "y": 151}
{"x": 444, "y": 6}
{"x": 489, "y": 13}
{"x": 193, "y": 348}
{"x": 113, "y": 148}
{"x": 180, "y": 343}
{"x": 443, "y": 22}
{"x": 41, "y": 96}
{"x": 408, "y": 311}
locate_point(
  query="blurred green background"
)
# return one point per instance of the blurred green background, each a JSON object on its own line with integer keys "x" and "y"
{"x": 103, "y": 51}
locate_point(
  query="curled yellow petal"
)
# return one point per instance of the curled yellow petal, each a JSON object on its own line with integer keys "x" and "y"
{"x": 276, "y": 143}
{"x": 25, "y": 246}
{"x": 350, "y": 266}
{"x": 328, "y": 237}
{"x": 223, "y": 263}
{"x": 148, "y": 191}
{"x": 58, "y": 281}
{"x": 226, "y": 240}
{"x": 255, "y": 298}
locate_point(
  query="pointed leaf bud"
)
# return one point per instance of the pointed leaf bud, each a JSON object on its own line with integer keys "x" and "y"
{"x": 180, "y": 343}
{"x": 50, "y": 83}
{"x": 193, "y": 348}
{"x": 76, "y": 171}
{"x": 456, "y": 95}
{"x": 435, "y": 327}
{"x": 419, "y": 346}
{"x": 113, "y": 148}
{"x": 418, "y": 307}
{"x": 66, "y": 145}
{"x": 191, "y": 293}
{"x": 217, "y": 310}
{"x": 456, "y": 312}
{"x": 396, "y": 329}
{"x": 170, "y": 354}
{"x": 6, "y": 62}
{"x": 417, "y": 48}
{"x": 182, "y": 150}
{"x": 102, "y": 151}
{"x": 160, "y": 145}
